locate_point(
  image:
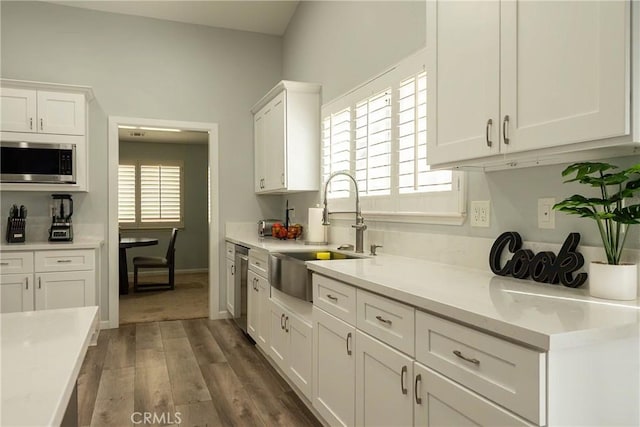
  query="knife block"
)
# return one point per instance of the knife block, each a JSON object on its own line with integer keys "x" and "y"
{"x": 16, "y": 228}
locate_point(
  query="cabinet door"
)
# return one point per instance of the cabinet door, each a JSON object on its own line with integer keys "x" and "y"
{"x": 463, "y": 79}
{"x": 259, "y": 142}
{"x": 231, "y": 286}
{"x": 384, "y": 386}
{"x": 275, "y": 125}
{"x": 264, "y": 314}
{"x": 18, "y": 108}
{"x": 65, "y": 289}
{"x": 300, "y": 356}
{"x": 564, "y": 72}
{"x": 61, "y": 113}
{"x": 279, "y": 339}
{"x": 334, "y": 369}
{"x": 16, "y": 293}
{"x": 252, "y": 304}
{"x": 441, "y": 402}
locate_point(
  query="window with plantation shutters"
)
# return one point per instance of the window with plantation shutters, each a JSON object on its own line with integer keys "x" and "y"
{"x": 336, "y": 152}
{"x": 127, "y": 193}
{"x": 414, "y": 174}
{"x": 150, "y": 195}
{"x": 378, "y": 133}
{"x": 373, "y": 145}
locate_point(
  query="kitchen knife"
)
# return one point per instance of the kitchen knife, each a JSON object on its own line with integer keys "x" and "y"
{"x": 23, "y": 212}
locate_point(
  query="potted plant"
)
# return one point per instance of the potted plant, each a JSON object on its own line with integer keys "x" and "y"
{"x": 613, "y": 279}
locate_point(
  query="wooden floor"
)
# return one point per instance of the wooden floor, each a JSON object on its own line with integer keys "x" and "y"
{"x": 204, "y": 369}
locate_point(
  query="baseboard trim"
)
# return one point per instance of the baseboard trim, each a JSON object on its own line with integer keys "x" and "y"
{"x": 105, "y": 324}
{"x": 147, "y": 272}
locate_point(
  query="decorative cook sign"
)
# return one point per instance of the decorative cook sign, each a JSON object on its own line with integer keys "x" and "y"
{"x": 543, "y": 267}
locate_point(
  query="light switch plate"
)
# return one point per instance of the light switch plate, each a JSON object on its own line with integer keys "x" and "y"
{"x": 546, "y": 214}
{"x": 480, "y": 213}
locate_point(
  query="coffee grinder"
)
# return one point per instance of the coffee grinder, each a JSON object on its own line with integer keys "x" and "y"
{"x": 61, "y": 211}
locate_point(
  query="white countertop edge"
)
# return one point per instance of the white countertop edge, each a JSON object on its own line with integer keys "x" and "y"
{"x": 63, "y": 401}
{"x": 39, "y": 246}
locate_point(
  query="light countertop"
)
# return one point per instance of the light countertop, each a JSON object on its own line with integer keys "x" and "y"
{"x": 538, "y": 315}
{"x": 251, "y": 240}
{"x": 46, "y": 245}
{"x": 42, "y": 352}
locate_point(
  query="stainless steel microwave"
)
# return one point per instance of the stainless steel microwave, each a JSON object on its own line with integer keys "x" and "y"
{"x": 37, "y": 162}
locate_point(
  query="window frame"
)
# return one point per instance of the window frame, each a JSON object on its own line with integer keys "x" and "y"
{"x": 411, "y": 207}
{"x": 158, "y": 225}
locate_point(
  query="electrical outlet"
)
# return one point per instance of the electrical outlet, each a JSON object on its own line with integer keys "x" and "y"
{"x": 480, "y": 213}
{"x": 546, "y": 214}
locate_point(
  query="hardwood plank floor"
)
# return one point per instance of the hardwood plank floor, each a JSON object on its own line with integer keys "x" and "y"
{"x": 205, "y": 370}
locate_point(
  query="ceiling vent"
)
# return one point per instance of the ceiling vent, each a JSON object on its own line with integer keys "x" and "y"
{"x": 136, "y": 133}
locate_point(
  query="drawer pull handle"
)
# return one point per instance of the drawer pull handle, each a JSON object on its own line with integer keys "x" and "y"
{"x": 332, "y": 298}
{"x": 349, "y": 344}
{"x": 403, "y": 372}
{"x": 233, "y": 270}
{"x": 415, "y": 389}
{"x": 4, "y": 263}
{"x": 39, "y": 282}
{"x": 282, "y": 321}
{"x": 27, "y": 283}
{"x": 505, "y": 123}
{"x": 463, "y": 357}
{"x": 489, "y": 124}
{"x": 257, "y": 263}
{"x": 286, "y": 324}
{"x": 63, "y": 260}
{"x": 383, "y": 320}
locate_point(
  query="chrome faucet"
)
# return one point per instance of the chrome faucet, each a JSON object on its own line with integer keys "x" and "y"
{"x": 359, "y": 225}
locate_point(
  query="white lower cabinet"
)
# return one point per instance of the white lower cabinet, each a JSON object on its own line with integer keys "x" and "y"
{"x": 439, "y": 401}
{"x": 230, "y": 267}
{"x": 334, "y": 369}
{"x": 16, "y": 293}
{"x": 258, "y": 308}
{"x": 47, "y": 279}
{"x": 384, "y": 386}
{"x": 290, "y": 346}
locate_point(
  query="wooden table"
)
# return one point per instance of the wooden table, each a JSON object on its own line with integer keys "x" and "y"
{"x": 125, "y": 243}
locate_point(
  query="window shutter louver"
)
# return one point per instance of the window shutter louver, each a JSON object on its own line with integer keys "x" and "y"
{"x": 336, "y": 152}
{"x": 127, "y": 193}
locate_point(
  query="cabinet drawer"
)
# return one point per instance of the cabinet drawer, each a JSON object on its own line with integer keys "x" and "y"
{"x": 506, "y": 373}
{"x": 72, "y": 260}
{"x": 390, "y": 321}
{"x": 16, "y": 262}
{"x": 258, "y": 262}
{"x": 230, "y": 250}
{"x": 335, "y": 297}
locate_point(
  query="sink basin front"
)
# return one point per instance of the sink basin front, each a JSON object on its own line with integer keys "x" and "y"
{"x": 288, "y": 271}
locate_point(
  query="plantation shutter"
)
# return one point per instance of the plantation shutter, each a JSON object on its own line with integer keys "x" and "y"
{"x": 336, "y": 152}
{"x": 127, "y": 193}
{"x": 160, "y": 193}
{"x": 373, "y": 145}
{"x": 414, "y": 175}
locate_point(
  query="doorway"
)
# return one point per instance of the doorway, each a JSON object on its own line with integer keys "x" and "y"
{"x": 209, "y": 132}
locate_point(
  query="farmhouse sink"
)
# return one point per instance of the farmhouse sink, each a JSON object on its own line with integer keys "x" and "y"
{"x": 288, "y": 270}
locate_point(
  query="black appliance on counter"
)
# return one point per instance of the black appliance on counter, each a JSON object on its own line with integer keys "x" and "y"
{"x": 33, "y": 162}
{"x": 61, "y": 229}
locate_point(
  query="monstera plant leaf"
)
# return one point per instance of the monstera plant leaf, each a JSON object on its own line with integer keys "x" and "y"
{"x": 612, "y": 217}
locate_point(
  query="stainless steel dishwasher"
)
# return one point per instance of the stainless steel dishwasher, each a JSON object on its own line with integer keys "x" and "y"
{"x": 240, "y": 295}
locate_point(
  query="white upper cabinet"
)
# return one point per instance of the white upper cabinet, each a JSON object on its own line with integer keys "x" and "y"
{"x": 18, "y": 108}
{"x": 38, "y": 111}
{"x": 526, "y": 79}
{"x": 287, "y": 139}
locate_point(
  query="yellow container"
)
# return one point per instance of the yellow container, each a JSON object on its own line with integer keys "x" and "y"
{"x": 323, "y": 255}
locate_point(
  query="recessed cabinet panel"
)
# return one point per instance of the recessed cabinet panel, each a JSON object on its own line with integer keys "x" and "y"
{"x": 569, "y": 82}
{"x": 61, "y": 113}
{"x": 19, "y": 113}
{"x": 16, "y": 293}
{"x": 275, "y": 143}
{"x": 70, "y": 260}
{"x": 463, "y": 79}
{"x": 16, "y": 262}
{"x": 64, "y": 290}
{"x": 231, "y": 286}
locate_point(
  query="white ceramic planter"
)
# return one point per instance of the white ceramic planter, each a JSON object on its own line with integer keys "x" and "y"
{"x": 619, "y": 282}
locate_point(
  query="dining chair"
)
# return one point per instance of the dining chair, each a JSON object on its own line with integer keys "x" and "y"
{"x": 167, "y": 262}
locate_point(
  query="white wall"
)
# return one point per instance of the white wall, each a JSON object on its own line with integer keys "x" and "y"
{"x": 332, "y": 43}
{"x": 148, "y": 68}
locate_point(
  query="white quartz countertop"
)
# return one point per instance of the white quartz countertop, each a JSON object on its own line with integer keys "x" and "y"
{"x": 251, "y": 240}
{"x": 540, "y": 315}
{"x": 42, "y": 352}
{"x": 45, "y": 245}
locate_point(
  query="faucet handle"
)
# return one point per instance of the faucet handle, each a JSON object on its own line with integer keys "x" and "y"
{"x": 359, "y": 226}
{"x": 373, "y": 249}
